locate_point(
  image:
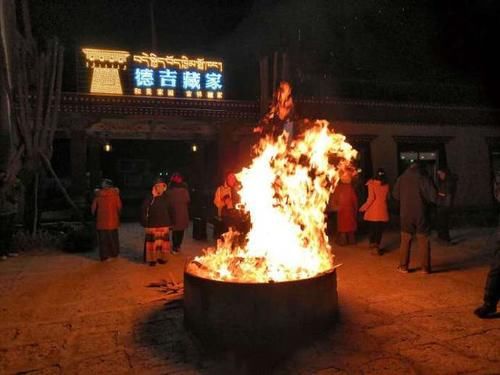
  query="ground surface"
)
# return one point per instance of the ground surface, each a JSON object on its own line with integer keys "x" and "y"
{"x": 71, "y": 314}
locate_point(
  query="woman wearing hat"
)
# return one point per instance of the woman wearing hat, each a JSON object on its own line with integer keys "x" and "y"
{"x": 375, "y": 209}
{"x": 156, "y": 222}
{"x": 106, "y": 206}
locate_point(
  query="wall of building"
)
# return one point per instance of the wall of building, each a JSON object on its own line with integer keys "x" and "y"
{"x": 466, "y": 147}
{"x": 467, "y": 154}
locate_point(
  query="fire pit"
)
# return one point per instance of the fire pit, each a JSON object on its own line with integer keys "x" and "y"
{"x": 276, "y": 285}
{"x": 246, "y": 317}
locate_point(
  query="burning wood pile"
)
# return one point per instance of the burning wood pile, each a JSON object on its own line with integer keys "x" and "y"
{"x": 284, "y": 191}
{"x": 264, "y": 292}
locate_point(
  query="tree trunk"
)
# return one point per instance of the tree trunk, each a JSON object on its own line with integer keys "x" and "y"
{"x": 61, "y": 187}
{"x": 29, "y": 202}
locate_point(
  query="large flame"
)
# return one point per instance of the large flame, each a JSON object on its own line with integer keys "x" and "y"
{"x": 285, "y": 191}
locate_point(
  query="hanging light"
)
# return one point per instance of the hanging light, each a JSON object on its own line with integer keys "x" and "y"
{"x": 107, "y": 147}
{"x": 194, "y": 147}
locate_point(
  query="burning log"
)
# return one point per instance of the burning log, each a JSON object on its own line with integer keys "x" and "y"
{"x": 285, "y": 191}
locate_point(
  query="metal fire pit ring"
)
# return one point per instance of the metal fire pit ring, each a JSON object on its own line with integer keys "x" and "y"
{"x": 261, "y": 316}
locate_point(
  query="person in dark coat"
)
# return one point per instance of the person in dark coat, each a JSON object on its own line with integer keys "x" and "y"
{"x": 178, "y": 202}
{"x": 492, "y": 285}
{"x": 156, "y": 222}
{"x": 415, "y": 192}
{"x": 106, "y": 206}
{"x": 446, "y": 187}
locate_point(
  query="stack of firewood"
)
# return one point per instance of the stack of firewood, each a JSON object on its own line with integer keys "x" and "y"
{"x": 172, "y": 290}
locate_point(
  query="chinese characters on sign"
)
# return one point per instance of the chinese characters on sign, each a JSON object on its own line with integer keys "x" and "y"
{"x": 154, "y": 75}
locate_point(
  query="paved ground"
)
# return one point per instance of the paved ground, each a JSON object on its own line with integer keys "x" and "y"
{"x": 69, "y": 313}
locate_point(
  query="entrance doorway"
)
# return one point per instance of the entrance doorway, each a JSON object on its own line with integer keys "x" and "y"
{"x": 431, "y": 156}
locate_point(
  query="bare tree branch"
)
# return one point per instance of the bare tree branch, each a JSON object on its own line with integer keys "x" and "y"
{"x": 61, "y": 186}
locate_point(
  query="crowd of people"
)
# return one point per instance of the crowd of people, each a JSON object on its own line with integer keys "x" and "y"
{"x": 418, "y": 197}
{"x": 164, "y": 216}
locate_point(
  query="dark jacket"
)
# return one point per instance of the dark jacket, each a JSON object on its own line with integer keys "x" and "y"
{"x": 178, "y": 201}
{"x": 154, "y": 212}
{"x": 415, "y": 192}
{"x": 446, "y": 191}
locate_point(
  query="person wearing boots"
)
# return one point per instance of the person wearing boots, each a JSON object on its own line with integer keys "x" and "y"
{"x": 156, "y": 221}
{"x": 106, "y": 206}
{"x": 446, "y": 186}
{"x": 415, "y": 192}
{"x": 492, "y": 286}
{"x": 375, "y": 209}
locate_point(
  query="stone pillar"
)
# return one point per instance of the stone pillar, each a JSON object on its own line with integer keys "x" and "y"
{"x": 198, "y": 184}
{"x": 227, "y": 152}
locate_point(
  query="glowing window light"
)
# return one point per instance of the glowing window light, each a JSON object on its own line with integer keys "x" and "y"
{"x": 144, "y": 77}
{"x": 194, "y": 148}
{"x": 137, "y": 91}
{"x": 189, "y": 94}
{"x": 106, "y": 81}
{"x": 149, "y": 91}
{"x": 191, "y": 80}
{"x": 210, "y": 95}
{"x": 159, "y": 92}
{"x": 213, "y": 81}
{"x": 219, "y": 95}
{"x": 168, "y": 78}
{"x": 170, "y": 92}
{"x": 199, "y": 94}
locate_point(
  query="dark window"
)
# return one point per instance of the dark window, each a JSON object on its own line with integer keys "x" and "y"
{"x": 430, "y": 155}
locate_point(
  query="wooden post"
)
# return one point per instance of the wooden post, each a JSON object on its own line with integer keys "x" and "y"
{"x": 264, "y": 84}
{"x": 94, "y": 162}
{"x": 78, "y": 154}
{"x": 285, "y": 67}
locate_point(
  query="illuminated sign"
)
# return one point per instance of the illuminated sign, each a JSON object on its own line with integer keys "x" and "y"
{"x": 120, "y": 72}
{"x": 105, "y": 66}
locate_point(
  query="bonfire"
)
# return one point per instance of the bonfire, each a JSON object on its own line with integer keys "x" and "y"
{"x": 284, "y": 192}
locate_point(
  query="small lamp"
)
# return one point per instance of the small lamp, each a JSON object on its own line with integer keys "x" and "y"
{"x": 107, "y": 147}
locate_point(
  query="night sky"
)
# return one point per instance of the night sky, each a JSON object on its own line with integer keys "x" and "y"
{"x": 398, "y": 42}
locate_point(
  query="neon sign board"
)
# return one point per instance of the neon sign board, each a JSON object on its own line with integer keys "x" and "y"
{"x": 151, "y": 75}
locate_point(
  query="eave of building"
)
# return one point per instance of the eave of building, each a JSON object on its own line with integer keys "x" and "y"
{"x": 330, "y": 108}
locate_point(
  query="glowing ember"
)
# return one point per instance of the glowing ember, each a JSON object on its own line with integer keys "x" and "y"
{"x": 285, "y": 191}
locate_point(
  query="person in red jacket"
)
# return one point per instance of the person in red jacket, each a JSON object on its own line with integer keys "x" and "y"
{"x": 345, "y": 201}
{"x": 375, "y": 209}
{"x": 106, "y": 206}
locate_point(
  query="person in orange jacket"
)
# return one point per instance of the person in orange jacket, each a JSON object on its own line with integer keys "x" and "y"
{"x": 107, "y": 206}
{"x": 375, "y": 209}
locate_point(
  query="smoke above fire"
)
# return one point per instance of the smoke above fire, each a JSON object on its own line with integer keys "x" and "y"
{"x": 284, "y": 193}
